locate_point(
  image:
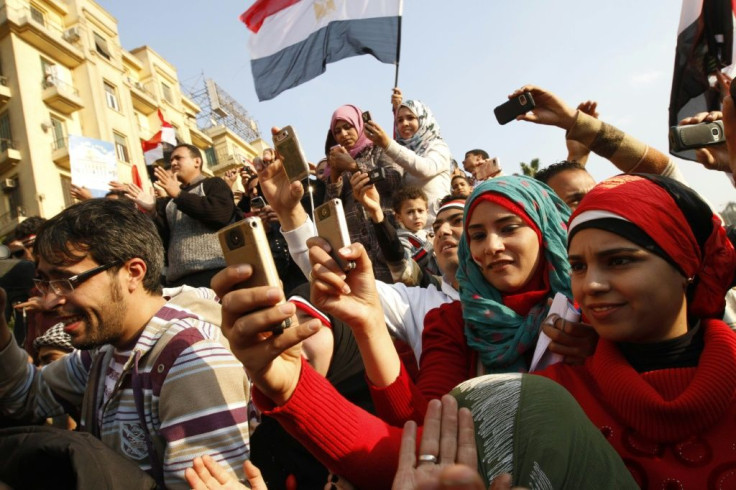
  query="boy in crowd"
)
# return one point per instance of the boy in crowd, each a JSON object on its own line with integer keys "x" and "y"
{"x": 460, "y": 186}
{"x": 410, "y": 208}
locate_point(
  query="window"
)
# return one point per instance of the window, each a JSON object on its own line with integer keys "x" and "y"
{"x": 57, "y": 126}
{"x": 166, "y": 90}
{"x": 210, "y": 156}
{"x": 15, "y": 200}
{"x": 111, "y": 97}
{"x": 37, "y": 15}
{"x": 101, "y": 45}
{"x": 66, "y": 190}
{"x": 121, "y": 147}
{"x": 6, "y": 135}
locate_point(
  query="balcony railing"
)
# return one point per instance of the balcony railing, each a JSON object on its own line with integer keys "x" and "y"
{"x": 7, "y": 144}
{"x": 52, "y": 81}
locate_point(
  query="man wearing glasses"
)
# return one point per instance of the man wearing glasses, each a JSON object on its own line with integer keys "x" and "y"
{"x": 152, "y": 376}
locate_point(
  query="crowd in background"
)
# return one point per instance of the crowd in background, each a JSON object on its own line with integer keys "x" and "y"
{"x": 492, "y": 329}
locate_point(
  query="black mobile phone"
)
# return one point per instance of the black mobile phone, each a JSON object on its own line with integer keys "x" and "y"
{"x": 293, "y": 158}
{"x": 376, "y": 175}
{"x": 366, "y": 116}
{"x": 696, "y": 135}
{"x": 257, "y": 202}
{"x": 245, "y": 242}
{"x": 517, "y": 106}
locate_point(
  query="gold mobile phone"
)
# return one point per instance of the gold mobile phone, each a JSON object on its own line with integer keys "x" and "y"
{"x": 295, "y": 163}
{"x": 245, "y": 242}
{"x": 332, "y": 226}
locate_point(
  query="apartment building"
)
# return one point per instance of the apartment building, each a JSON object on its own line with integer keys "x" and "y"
{"x": 63, "y": 72}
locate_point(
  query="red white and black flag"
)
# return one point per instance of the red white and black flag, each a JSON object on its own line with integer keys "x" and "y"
{"x": 705, "y": 44}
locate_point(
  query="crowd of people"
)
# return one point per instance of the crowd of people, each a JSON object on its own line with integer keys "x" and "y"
{"x": 416, "y": 368}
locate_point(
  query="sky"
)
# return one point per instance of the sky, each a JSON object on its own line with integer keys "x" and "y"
{"x": 462, "y": 58}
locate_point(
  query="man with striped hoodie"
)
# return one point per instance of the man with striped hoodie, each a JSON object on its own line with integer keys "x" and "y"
{"x": 151, "y": 375}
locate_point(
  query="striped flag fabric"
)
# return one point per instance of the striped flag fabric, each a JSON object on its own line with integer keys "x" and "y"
{"x": 153, "y": 149}
{"x": 705, "y": 44}
{"x": 293, "y": 40}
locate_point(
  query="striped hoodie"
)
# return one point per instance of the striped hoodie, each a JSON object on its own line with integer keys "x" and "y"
{"x": 193, "y": 404}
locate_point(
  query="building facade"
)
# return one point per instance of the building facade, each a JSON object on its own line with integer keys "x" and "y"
{"x": 64, "y": 72}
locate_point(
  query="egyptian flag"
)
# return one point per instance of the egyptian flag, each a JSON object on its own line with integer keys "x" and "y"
{"x": 293, "y": 40}
{"x": 153, "y": 149}
{"x": 704, "y": 45}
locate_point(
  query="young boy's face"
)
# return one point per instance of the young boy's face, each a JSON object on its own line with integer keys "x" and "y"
{"x": 413, "y": 214}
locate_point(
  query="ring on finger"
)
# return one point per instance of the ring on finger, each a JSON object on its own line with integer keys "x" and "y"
{"x": 427, "y": 458}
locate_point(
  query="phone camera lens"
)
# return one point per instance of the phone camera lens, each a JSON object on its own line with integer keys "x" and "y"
{"x": 235, "y": 239}
{"x": 714, "y": 131}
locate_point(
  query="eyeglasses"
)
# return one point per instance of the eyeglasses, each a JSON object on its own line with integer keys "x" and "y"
{"x": 61, "y": 287}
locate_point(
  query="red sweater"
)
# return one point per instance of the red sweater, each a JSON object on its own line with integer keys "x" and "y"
{"x": 674, "y": 428}
{"x": 446, "y": 361}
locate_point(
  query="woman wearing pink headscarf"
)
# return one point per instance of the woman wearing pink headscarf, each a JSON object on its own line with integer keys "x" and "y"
{"x": 349, "y": 151}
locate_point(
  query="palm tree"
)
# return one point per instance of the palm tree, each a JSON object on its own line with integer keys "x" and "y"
{"x": 530, "y": 169}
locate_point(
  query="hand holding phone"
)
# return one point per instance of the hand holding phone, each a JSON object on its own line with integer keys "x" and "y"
{"x": 331, "y": 225}
{"x": 696, "y": 135}
{"x": 245, "y": 242}
{"x": 293, "y": 159}
{"x": 487, "y": 169}
{"x": 516, "y": 106}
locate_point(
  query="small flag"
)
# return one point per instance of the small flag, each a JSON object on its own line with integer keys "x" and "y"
{"x": 293, "y": 40}
{"x": 153, "y": 149}
{"x": 705, "y": 44}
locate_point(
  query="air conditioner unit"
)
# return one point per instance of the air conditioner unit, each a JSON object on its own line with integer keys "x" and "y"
{"x": 8, "y": 184}
{"x": 72, "y": 34}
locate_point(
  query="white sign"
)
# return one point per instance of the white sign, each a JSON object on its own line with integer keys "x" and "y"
{"x": 93, "y": 164}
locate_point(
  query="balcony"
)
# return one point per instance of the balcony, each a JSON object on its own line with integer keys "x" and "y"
{"x": 199, "y": 138}
{"x": 143, "y": 100}
{"x": 60, "y": 152}
{"x": 4, "y": 90}
{"x": 9, "y": 155}
{"x": 44, "y": 35}
{"x": 8, "y": 221}
{"x": 61, "y": 96}
{"x": 226, "y": 161}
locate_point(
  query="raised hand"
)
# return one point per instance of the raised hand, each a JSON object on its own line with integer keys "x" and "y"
{"x": 448, "y": 436}
{"x": 396, "y": 98}
{"x": 376, "y": 134}
{"x": 80, "y": 193}
{"x": 230, "y": 177}
{"x": 167, "y": 181}
{"x": 367, "y": 194}
{"x": 576, "y": 151}
{"x": 145, "y": 200}
{"x": 549, "y": 109}
{"x": 207, "y": 474}
{"x": 249, "y": 315}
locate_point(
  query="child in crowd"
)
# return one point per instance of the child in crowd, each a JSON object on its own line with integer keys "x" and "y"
{"x": 460, "y": 186}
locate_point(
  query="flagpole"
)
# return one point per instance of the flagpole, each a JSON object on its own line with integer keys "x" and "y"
{"x": 398, "y": 43}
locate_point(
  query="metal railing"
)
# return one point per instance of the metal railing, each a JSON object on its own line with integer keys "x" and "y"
{"x": 52, "y": 81}
{"x": 6, "y": 144}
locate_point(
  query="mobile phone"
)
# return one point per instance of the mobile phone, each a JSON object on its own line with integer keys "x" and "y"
{"x": 376, "y": 175}
{"x": 696, "y": 135}
{"x": 257, "y": 202}
{"x": 366, "y": 116}
{"x": 486, "y": 169}
{"x": 332, "y": 226}
{"x": 295, "y": 163}
{"x": 245, "y": 242}
{"x": 517, "y": 106}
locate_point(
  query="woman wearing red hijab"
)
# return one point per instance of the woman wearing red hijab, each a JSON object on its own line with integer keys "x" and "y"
{"x": 650, "y": 267}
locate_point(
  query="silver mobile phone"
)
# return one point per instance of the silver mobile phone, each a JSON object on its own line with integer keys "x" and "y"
{"x": 245, "y": 242}
{"x": 332, "y": 226}
{"x": 696, "y": 135}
